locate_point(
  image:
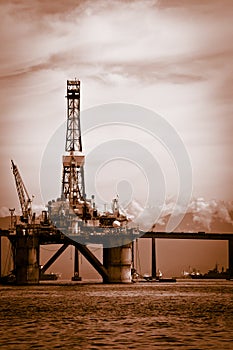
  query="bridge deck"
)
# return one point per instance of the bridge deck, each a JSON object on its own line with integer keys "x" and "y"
{"x": 189, "y": 235}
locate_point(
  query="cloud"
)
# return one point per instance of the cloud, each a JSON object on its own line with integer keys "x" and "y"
{"x": 115, "y": 43}
{"x": 210, "y": 215}
{"x": 37, "y": 208}
{"x": 204, "y": 212}
{"x": 102, "y": 34}
{"x": 176, "y": 59}
{"x": 4, "y": 211}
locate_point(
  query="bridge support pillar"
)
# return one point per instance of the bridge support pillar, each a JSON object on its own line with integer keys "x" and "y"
{"x": 118, "y": 263}
{"x": 230, "y": 257}
{"x": 26, "y": 258}
{"x": 153, "y": 258}
{"x": 0, "y": 256}
{"x": 76, "y": 276}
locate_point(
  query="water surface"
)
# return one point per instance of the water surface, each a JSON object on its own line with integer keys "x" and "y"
{"x": 182, "y": 315}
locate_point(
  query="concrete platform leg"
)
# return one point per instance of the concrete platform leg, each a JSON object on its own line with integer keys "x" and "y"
{"x": 27, "y": 259}
{"x": 118, "y": 263}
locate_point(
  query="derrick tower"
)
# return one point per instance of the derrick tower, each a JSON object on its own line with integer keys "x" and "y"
{"x": 73, "y": 187}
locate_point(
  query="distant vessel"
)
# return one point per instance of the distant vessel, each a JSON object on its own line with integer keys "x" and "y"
{"x": 150, "y": 279}
{"x": 137, "y": 277}
{"x": 11, "y": 279}
{"x": 159, "y": 279}
{"x": 49, "y": 276}
{"x": 76, "y": 277}
{"x": 211, "y": 274}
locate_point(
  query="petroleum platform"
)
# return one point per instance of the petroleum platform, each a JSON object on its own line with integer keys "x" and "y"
{"x": 73, "y": 219}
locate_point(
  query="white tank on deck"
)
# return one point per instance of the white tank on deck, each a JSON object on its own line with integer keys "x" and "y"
{"x": 116, "y": 223}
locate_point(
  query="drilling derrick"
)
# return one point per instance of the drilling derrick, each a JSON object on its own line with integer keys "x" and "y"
{"x": 73, "y": 174}
{"x": 24, "y": 199}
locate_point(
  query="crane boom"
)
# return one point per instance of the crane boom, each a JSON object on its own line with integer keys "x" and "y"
{"x": 24, "y": 199}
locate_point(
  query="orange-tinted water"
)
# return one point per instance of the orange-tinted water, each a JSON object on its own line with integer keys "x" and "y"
{"x": 184, "y": 315}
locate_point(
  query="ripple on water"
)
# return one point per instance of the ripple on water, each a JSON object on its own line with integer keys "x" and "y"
{"x": 181, "y": 315}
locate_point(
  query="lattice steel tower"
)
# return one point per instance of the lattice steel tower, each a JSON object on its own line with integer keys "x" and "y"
{"x": 73, "y": 174}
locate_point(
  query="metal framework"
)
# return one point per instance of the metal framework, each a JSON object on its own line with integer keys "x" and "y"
{"x": 73, "y": 180}
{"x": 24, "y": 199}
{"x": 73, "y": 131}
{"x": 73, "y": 172}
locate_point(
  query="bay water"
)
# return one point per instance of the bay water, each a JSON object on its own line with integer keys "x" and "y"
{"x": 64, "y": 315}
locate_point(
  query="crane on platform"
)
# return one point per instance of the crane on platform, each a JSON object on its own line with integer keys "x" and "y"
{"x": 24, "y": 199}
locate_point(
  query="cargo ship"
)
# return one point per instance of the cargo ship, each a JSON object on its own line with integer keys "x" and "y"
{"x": 211, "y": 274}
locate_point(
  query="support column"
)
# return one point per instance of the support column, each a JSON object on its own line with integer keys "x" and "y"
{"x": 0, "y": 256}
{"x": 230, "y": 257}
{"x": 133, "y": 263}
{"x": 26, "y": 258}
{"x": 76, "y": 276}
{"x": 153, "y": 258}
{"x": 118, "y": 263}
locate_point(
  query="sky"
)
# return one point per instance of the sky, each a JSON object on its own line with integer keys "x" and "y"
{"x": 173, "y": 57}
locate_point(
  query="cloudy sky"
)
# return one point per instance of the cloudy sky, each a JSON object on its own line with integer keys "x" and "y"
{"x": 171, "y": 56}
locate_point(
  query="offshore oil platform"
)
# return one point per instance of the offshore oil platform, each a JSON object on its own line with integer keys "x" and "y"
{"x": 74, "y": 220}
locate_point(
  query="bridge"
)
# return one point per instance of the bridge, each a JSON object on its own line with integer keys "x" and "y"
{"x": 193, "y": 236}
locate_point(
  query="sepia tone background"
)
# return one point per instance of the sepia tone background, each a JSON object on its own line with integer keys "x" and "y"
{"x": 174, "y": 57}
